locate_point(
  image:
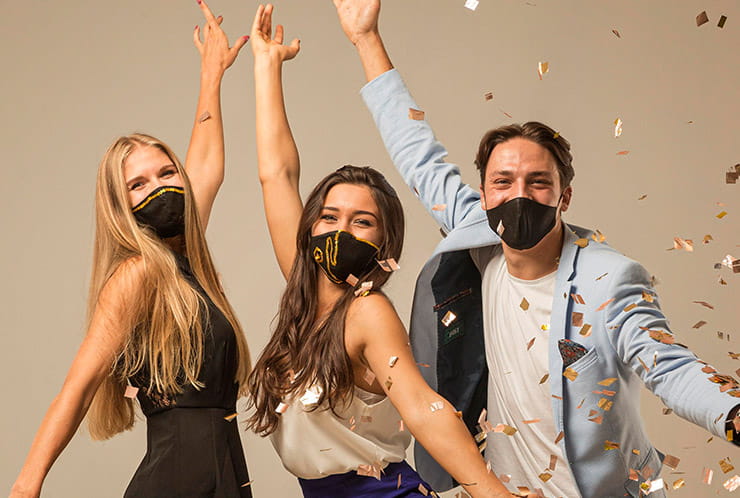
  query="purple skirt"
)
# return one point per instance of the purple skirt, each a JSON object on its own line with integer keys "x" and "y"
{"x": 352, "y": 485}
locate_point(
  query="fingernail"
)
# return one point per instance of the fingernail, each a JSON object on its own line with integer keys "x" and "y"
{"x": 199, "y": 2}
{"x": 246, "y": 37}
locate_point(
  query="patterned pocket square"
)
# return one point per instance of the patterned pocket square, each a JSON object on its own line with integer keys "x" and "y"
{"x": 570, "y": 351}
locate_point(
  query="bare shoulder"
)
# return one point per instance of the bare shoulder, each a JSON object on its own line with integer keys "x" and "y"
{"x": 372, "y": 312}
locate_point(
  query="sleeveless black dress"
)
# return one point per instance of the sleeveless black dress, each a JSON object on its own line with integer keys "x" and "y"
{"x": 192, "y": 450}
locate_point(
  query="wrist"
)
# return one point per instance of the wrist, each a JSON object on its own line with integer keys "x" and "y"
{"x": 367, "y": 40}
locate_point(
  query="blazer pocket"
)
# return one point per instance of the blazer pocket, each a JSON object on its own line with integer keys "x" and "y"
{"x": 586, "y": 361}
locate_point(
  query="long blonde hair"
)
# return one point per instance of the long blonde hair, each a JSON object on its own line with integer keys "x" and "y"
{"x": 163, "y": 315}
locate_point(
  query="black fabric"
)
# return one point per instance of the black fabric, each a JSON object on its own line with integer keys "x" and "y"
{"x": 163, "y": 211}
{"x": 192, "y": 450}
{"x": 341, "y": 254}
{"x": 523, "y": 222}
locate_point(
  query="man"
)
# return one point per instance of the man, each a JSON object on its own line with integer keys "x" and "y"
{"x": 537, "y": 321}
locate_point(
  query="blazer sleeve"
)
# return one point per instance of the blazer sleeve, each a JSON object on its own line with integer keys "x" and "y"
{"x": 639, "y": 332}
{"x": 416, "y": 153}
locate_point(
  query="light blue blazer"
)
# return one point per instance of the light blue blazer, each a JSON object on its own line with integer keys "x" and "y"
{"x": 620, "y": 346}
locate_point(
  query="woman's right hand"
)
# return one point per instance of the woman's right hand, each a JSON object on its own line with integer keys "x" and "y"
{"x": 264, "y": 44}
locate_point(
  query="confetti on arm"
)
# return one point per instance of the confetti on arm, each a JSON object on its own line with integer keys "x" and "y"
{"x": 204, "y": 117}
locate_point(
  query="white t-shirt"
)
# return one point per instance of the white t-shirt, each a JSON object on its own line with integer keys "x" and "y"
{"x": 516, "y": 342}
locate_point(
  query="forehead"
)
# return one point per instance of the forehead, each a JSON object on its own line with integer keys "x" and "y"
{"x": 520, "y": 155}
{"x": 351, "y": 197}
{"x": 143, "y": 160}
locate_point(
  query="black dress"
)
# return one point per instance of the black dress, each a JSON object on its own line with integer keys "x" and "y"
{"x": 192, "y": 450}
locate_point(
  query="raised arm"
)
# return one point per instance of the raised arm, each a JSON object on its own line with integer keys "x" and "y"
{"x": 204, "y": 162}
{"x": 407, "y": 136}
{"x": 375, "y": 333}
{"x": 94, "y": 359}
{"x": 277, "y": 155}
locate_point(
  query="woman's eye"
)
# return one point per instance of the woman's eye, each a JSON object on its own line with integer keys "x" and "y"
{"x": 365, "y": 223}
{"x": 169, "y": 173}
{"x": 328, "y": 217}
{"x": 136, "y": 185}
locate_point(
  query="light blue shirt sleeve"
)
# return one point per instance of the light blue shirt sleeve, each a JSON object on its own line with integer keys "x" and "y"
{"x": 416, "y": 153}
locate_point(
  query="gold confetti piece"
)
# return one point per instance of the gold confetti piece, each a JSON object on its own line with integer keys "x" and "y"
{"x": 545, "y": 327}
{"x": 726, "y": 466}
{"x": 388, "y": 384}
{"x": 647, "y": 369}
{"x": 416, "y": 114}
{"x": 708, "y": 369}
{"x": 505, "y": 477}
{"x": 439, "y": 207}
{"x": 325, "y": 449}
{"x": 610, "y": 445}
{"x": 577, "y": 319}
{"x": 679, "y": 484}
{"x": 707, "y": 239}
{"x": 634, "y": 476}
{"x": 710, "y": 439}
{"x": 524, "y": 304}
{"x": 532, "y": 421}
{"x": 389, "y": 265}
{"x": 204, "y": 117}
{"x": 531, "y": 343}
{"x": 369, "y": 376}
{"x": 585, "y": 330}
{"x": 542, "y": 68}
{"x": 630, "y": 307}
{"x": 616, "y": 33}
{"x": 581, "y": 243}
{"x": 731, "y": 177}
{"x": 556, "y": 135}
{"x": 570, "y": 374}
{"x": 661, "y": 336}
{"x": 597, "y": 420}
{"x": 646, "y": 296}
{"x": 602, "y": 276}
{"x": 607, "y": 382}
{"x": 352, "y": 280}
{"x": 364, "y": 290}
{"x": 592, "y": 413}
{"x": 642, "y": 197}
{"x": 448, "y": 318}
{"x": 488, "y": 96}
{"x": 636, "y": 451}
{"x": 618, "y": 127}
{"x": 581, "y": 404}
{"x": 401, "y": 426}
{"x": 732, "y": 483}
{"x": 392, "y": 361}
{"x": 231, "y": 417}
{"x": 470, "y": 5}
{"x": 130, "y": 392}
{"x": 246, "y": 484}
{"x": 685, "y": 244}
{"x": 523, "y": 490}
{"x": 598, "y": 236}
{"x": 699, "y": 324}
{"x": 604, "y": 304}
{"x": 578, "y": 298}
{"x": 436, "y": 405}
{"x": 702, "y": 18}
{"x": 721, "y": 24}
{"x": 424, "y": 365}
{"x": 671, "y": 461}
{"x": 706, "y": 475}
{"x": 398, "y": 486}
{"x": 553, "y": 462}
{"x": 605, "y": 404}
{"x": 545, "y": 476}
{"x": 559, "y": 437}
{"x": 281, "y": 408}
{"x": 722, "y": 281}
{"x": 506, "y": 429}
{"x": 623, "y": 153}
{"x": 369, "y": 470}
{"x": 544, "y": 378}
{"x": 722, "y": 215}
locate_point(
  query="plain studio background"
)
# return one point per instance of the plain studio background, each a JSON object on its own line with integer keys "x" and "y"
{"x": 77, "y": 74}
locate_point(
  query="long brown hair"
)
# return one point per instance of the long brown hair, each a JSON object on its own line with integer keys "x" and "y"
{"x": 301, "y": 352}
{"x": 163, "y": 314}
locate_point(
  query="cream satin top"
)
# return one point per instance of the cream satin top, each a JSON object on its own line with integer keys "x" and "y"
{"x": 315, "y": 444}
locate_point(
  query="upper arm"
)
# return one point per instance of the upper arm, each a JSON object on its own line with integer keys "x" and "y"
{"x": 107, "y": 332}
{"x": 205, "y": 185}
{"x": 381, "y": 338}
{"x": 419, "y": 157}
{"x": 283, "y": 210}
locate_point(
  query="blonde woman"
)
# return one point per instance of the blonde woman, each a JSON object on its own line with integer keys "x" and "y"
{"x": 160, "y": 328}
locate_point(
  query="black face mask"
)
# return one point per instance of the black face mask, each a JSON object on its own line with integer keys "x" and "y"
{"x": 522, "y": 222}
{"x": 163, "y": 211}
{"x": 341, "y": 254}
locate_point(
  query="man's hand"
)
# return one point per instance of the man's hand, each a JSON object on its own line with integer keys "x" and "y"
{"x": 359, "y": 18}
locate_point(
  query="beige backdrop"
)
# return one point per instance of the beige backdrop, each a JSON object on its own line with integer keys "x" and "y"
{"x": 78, "y": 73}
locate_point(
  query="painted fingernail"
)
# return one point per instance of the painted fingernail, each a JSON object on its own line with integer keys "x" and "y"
{"x": 199, "y": 2}
{"x": 246, "y": 37}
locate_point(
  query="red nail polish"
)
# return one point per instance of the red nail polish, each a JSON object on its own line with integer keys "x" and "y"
{"x": 246, "y": 37}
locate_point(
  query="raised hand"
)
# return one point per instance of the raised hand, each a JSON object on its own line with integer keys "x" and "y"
{"x": 215, "y": 53}
{"x": 358, "y": 18}
{"x": 264, "y": 44}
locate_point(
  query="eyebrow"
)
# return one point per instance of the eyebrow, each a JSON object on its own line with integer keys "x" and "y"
{"x": 359, "y": 211}
{"x": 509, "y": 173}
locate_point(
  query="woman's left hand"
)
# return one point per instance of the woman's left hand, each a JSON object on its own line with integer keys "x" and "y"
{"x": 266, "y": 45}
{"x": 215, "y": 55}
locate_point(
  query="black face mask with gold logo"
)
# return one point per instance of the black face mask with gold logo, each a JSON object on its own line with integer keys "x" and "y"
{"x": 341, "y": 254}
{"x": 163, "y": 211}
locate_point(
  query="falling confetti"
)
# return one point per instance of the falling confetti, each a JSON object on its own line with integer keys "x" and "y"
{"x": 131, "y": 392}
{"x": 630, "y": 307}
{"x": 352, "y": 280}
{"x": 281, "y": 408}
{"x": 544, "y": 378}
{"x": 436, "y": 405}
{"x": 704, "y": 303}
{"x": 679, "y": 484}
{"x": 577, "y": 319}
{"x": 471, "y": 4}
{"x": 732, "y": 483}
{"x": 581, "y": 243}
{"x": 607, "y": 382}
{"x": 706, "y": 475}
{"x": 506, "y": 429}
{"x": 721, "y": 24}
{"x": 392, "y": 361}
{"x": 623, "y": 152}
{"x": 616, "y": 33}
{"x": 699, "y": 324}
{"x": 389, "y": 265}
{"x": 530, "y": 343}
{"x": 610, "y": 445}
{"x": 570, "y": 374}
{"x": 545, "y": 476}
{"x": 369, "y": 376}
{"x": 488, "y": 96}
{"x": 702, "y": 18}
{"x": 642, "y": 197}
{"x": 542, "y": 68}
{"x": 369, "y": 470}
{"x": 204, "y": 117}
{"x": 617, "y": 127}
{"x": 722, "y": 215}
{"x": 598, "y": 236}
{"x": 585, "y": 330}
{"x": 388, "y": 384}
{"x": 448, "y": 318}
{"x": 439, "y": 207}
{"x": 364, "y": 290}
{"x": 231, "y": 417}
{"x": 578, "y": 298}
{"x": 559, "y": 437}
{"x": 416, "y": 114}
{"x": 524, "y": 304}
{"x": 671, "y": 461}
{"x": 726, "y": 466}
